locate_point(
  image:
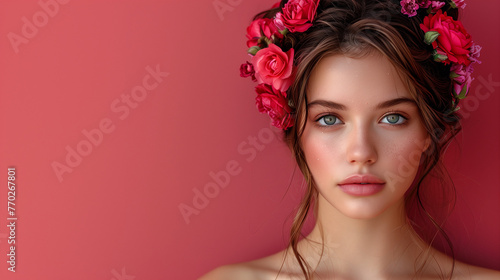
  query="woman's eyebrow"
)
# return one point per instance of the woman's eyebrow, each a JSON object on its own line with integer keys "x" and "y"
{"x": 338, "y": 106}
{"x": 328, "y": 104}
{"x": 396, "y": 101}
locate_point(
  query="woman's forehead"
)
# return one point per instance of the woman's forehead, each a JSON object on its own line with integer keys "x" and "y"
{"x": 368, "y": 79}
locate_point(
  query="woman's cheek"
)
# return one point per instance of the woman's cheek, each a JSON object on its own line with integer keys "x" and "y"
{"x": 321, "y": 151}
{"x": 404, "y": 159}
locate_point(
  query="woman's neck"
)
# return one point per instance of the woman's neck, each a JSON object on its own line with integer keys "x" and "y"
{"x": 382, "y": 246}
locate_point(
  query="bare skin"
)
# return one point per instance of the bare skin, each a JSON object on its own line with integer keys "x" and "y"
{"x": 372, "y": 129}
{"x": 267, "y": 269}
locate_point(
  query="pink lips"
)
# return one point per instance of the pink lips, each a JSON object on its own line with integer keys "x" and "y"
{"x": 362, "y": 185}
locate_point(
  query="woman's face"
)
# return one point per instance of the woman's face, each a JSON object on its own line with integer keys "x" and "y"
{"x": 363, "y": 137}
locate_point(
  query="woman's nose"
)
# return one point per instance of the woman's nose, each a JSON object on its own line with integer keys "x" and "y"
{"x": 361, "y": 147}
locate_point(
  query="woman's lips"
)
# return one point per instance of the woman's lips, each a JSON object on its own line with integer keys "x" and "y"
{"x": 362, "y": 185}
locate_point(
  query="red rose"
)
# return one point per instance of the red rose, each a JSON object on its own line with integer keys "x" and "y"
{"x": 297, "y": 15}
{"x": 453, "y": 39}
{"x": 261, "y": 27}
{"x": 274, "y": 67}
{"x": 274, "y": 103}
{"x": 246, "y": 70}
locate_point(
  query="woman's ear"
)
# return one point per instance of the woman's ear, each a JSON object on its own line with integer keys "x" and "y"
{"x": 427, "y": 143}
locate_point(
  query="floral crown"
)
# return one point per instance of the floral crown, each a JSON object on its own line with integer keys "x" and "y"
{"x": 274, "y": 69}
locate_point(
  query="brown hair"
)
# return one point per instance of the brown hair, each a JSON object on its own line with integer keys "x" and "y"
{"x": 354, "y": 28}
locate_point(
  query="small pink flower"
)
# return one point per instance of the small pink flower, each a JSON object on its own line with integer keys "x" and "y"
{"x": 274, "y": 67}
{"x": 262, "y": 27}
{"x": 297, "y": 15}
{"x": 409, "y": 7}
{"x": 475, "y": 52}
{"x": 460, "y": 3}
{"x": 436, "y": 5}
{"x": 246, "y": 70}
{"x": 274, "y": 103}
{"x": 423, "y": 3}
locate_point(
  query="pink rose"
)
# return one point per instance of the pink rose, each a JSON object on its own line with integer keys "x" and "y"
{"x": 259, "y": 28}
{"x": 246, "y": 70}
{"x": 297, "y": 15}
{"x": 453, "y": 39}
{"x": 274, "y": 103}
{"x": 274, "y": 67}
{"x": 460, "y": 3}
{"x": 462, "y": 79}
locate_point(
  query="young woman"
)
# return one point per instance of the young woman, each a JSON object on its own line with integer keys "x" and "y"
{"x": 366, "y": 93}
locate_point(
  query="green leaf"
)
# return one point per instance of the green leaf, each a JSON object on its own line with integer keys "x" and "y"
{"x": 454, "y": 107}
{"x": 430, "y": 37}
{"x": 439, "y": 57}
{"x": 253, "y": 50}
{"x": 463, "y": 92}
{"x": 454, "y": 75}
{"x": 267, "y": 40}
{"x": 452, "y": 4}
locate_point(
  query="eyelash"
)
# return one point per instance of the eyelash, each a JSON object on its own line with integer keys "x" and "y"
{"x": 328, "y": 115}
{"x": 399, "y": 114}
{"x": 395, "y": 113}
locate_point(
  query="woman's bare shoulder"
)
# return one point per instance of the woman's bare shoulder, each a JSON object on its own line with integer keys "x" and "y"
{"x": 467, "y": 271}
{"x": 260, "y": 269}
{"x": 484, "y": 273}
{"x": 229, "y": 272}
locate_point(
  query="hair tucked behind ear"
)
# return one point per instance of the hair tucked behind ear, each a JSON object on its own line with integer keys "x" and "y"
{"x": 354, "y": 28}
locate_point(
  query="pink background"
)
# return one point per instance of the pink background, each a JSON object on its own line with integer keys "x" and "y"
{"x": 116, "y": 214}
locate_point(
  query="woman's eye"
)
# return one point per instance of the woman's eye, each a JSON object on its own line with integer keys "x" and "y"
{"x": 394, "y": 119}
{"x": 328, "y": 120}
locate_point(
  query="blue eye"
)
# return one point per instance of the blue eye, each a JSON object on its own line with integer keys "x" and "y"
{"x": 394, "y": 119}
{"x": 328, "y": 120}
